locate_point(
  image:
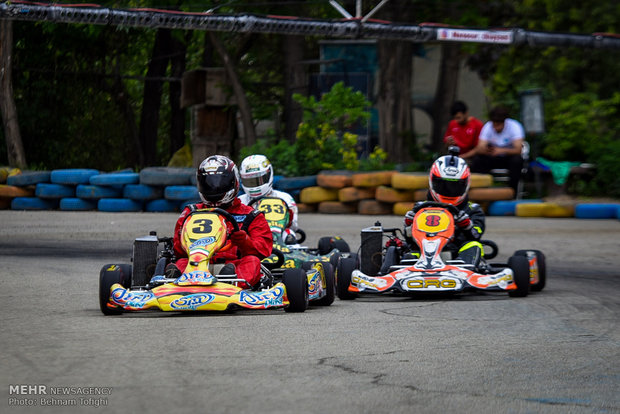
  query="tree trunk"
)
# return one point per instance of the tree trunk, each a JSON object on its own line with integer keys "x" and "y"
{"x": 396, "y": 133}
{"x": 294, "y": 82}
{"x": 445, "y": 93}
{"x": 14, "y": 145}
{"x": 244, "y": 106}
{"x": 177, "y": 114}
{"x": 151, "y": 104}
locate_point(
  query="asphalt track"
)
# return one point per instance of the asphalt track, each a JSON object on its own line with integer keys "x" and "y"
{"x": 557, "y": 351}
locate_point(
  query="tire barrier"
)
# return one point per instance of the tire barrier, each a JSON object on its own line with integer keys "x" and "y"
{"x": 47, "y": 190}
{"x": 478, "y": 180}
{"x": 334, "y": 179}
{"x": 597, "y": 211}
{"x": 350, "y": 194}
{"x": 119, "y": 205}
{"x": 530, "y": 209}
{"x": 115, "y": 179}
{"x": 410, "y": 181}
{"x": 29, "y": 178}
{"x": 182, "y": 192}
{"x": 401, "y": 208}
{"x": 72, "y": 176}
{"x": 506, "y": 207}
{"x": 6, "y": 172}
{"x": 337, "y": 207}
{"x": 13, "y": 191}
{"x": 161, "y": 206}
{"x": 142, "y": 192}
{"x": 313, "y": 195}
{"x": 296, "y": 183}
{"x": 33, "y": 203}
{"x": 77, "y": 204}
{"x": 5, "y": 203}
{"x": 97, "y": 191}
{"x": 306, "y": 208}
{"x": 491, "y": 194}
{"x": 392, "y": 195}
{"x": 374, "y": 207}
{"x": 164, "y": 176}
{"x": 372, "y": 179}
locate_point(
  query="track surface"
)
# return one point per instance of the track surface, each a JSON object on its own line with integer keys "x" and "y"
{"x": 557, "y": 351}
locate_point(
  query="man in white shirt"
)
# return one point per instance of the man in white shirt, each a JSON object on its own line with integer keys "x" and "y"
{"x": 499, "y": 146}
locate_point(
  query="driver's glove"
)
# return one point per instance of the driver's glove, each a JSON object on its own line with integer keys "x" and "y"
{"x": 240, "y": 239}
{"x": 463, "y": 221}
{"x": 408, "y": 222}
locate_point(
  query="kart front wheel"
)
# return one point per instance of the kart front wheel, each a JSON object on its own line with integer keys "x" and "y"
{"x": 521, "y": 269}
{"x": 330, "y": 285}
{"x": 109, "y": 275}
{"x": 296, "y": 284}
{"x": 346, "y": 266}
{"x": 542, "y": 268}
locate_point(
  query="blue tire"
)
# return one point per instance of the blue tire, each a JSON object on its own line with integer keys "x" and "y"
{"x": 28, "y": 178}
{"x": 97, "y": 191}
{"x": 164, "y": 176}
{"x": 596, "y": 211}
{"x": 507, "y": 207}
{"x": 33, "y": 203}
{"x": 115, "y": 178}
{"x": 47, "y": 190}
{"x": 296, "y": 183}
{"x": 72, "y": 176}
{"x": 161, "y": 206}
{"x": 119, "y": 205}
{"x": 142, "y": 192}
{"x": 77, "y": 204}
{"x": 181, "y": 192}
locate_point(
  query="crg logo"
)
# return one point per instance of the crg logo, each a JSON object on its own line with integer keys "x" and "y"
{"x": 431, "y": 284}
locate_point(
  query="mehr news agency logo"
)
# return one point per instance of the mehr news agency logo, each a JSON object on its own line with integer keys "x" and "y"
{"x": 44, "y": 395}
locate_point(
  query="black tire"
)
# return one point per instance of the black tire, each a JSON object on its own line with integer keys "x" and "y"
{"x": 521, "y": 269}
{"x": 109, "y": 275}
{"x": 346, "y": 266}
{"x": 542, "y": 268}
{"x": 330, "y": 286}
{"x": 296, "y": 284}
{"x": 391, "y": 258}
{"x": 327, "y": 244}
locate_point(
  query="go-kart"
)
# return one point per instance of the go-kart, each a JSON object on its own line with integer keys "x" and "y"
{"x": 395, "y": 268}
{"x": 143, "y": 284}
{"x": 319, "y": 264}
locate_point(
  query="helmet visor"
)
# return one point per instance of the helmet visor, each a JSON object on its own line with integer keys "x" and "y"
{"x": 214, "y": 187}
{"x": 256, "y": 181}
{"x": 449, "y": 187}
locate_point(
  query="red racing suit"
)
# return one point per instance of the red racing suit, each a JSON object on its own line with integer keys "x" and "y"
{"x": 246, "y": 253}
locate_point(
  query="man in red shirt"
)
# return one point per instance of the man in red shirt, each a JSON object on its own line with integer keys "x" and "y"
{"x": 463, "y": 130}
{"x": 218, "y": 185}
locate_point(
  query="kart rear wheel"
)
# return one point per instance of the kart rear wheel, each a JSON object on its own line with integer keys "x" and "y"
{"x": 296, "y": 284}
{"x": 109, "y": 275}
{"x": 327, "y": 244}
{"x": 521, "y": 268}
{"x": 346, "y": 266}
{"x": 542, "y": 268}
{"x": 330, "y": 286}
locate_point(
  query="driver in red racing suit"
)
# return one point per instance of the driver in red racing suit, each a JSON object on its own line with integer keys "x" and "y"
{"x": 218, "y": 185}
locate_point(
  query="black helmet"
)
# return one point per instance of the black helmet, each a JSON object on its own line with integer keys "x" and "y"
{"x": 217, "y": 179}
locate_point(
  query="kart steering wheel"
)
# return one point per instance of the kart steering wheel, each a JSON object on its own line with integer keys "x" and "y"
{"x": 277, "y": 263}
{"x": 229, "y": 218}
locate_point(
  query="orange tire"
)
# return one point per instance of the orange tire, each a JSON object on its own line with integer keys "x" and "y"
{"x": 392, "y": 195}
{"x": 373, "y": 179}
{"x": 14, "y": 191}
{"x": 420, "y": 195}
{"x": 306, "y": 208}
{"x": 491, "y": 194}
{"x": 410, "y": 180}
{"x": 401, "y": 208}
{"x": 336, "y": 207}
{"x": 349, "y": 194}
{"x": 374, "y": 207}
{"x": 314, "y": 195}
{"x": 334, "y": 179}
{"x": 5, "y": 203}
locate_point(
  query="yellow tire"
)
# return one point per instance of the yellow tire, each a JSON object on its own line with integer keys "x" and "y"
{"x": 392, "y": 195}
{"x": 401, "y": 208}
{"x": 334, "y": 179}
{"x": 336, "y": 207}
{"x": 491, "y": 194}
{"x": 349, "y": 194}
{"x": 478, "y": 180}
{"x": 373, "y": 179}
{"x": 13, "y": 191}
{"x": 4, "y": 172}
{"x": 559, "y": 210}
{"x": 410, "y": 180}
{"x": 530, "y": 209}
{"x": 314, "y": 195}
{"x": 374, "y": 207}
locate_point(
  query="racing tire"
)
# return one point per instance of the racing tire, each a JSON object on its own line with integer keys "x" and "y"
{"x": 330, "y": 286}
{"x": 521, "y": 268}
{"x": 346, "y": 266}
{"x": 300, "y": 236}
{"x": 296, "y": 284}
{"x": 109, "y": 275}
{"x": 327, "y": 244}
{"x": 542, "y": 268}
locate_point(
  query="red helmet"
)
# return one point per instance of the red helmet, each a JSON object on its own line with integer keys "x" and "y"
{"x": 217, "y": 179}
{"x": 449, "y": 179}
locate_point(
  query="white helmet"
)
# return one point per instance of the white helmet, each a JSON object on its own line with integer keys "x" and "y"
{"x": 449, "y": 179}
{"x": 256, "y": 176}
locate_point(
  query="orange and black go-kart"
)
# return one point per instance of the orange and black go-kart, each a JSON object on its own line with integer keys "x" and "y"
{"x": 143, "y": 285}
{"x": 432, "y": 266}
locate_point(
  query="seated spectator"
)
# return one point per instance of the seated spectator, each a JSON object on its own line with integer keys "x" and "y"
{"x": 499, "y": 146}
{"x": 463, "y": 130}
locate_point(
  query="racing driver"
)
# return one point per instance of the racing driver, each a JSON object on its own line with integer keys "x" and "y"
{"x": 218, "y": 185}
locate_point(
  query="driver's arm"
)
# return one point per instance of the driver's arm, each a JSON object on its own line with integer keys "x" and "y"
{"x": 259, "y": 241}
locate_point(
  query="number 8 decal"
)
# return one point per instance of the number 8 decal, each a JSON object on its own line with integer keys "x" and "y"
{"x": 433, "y": 221}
